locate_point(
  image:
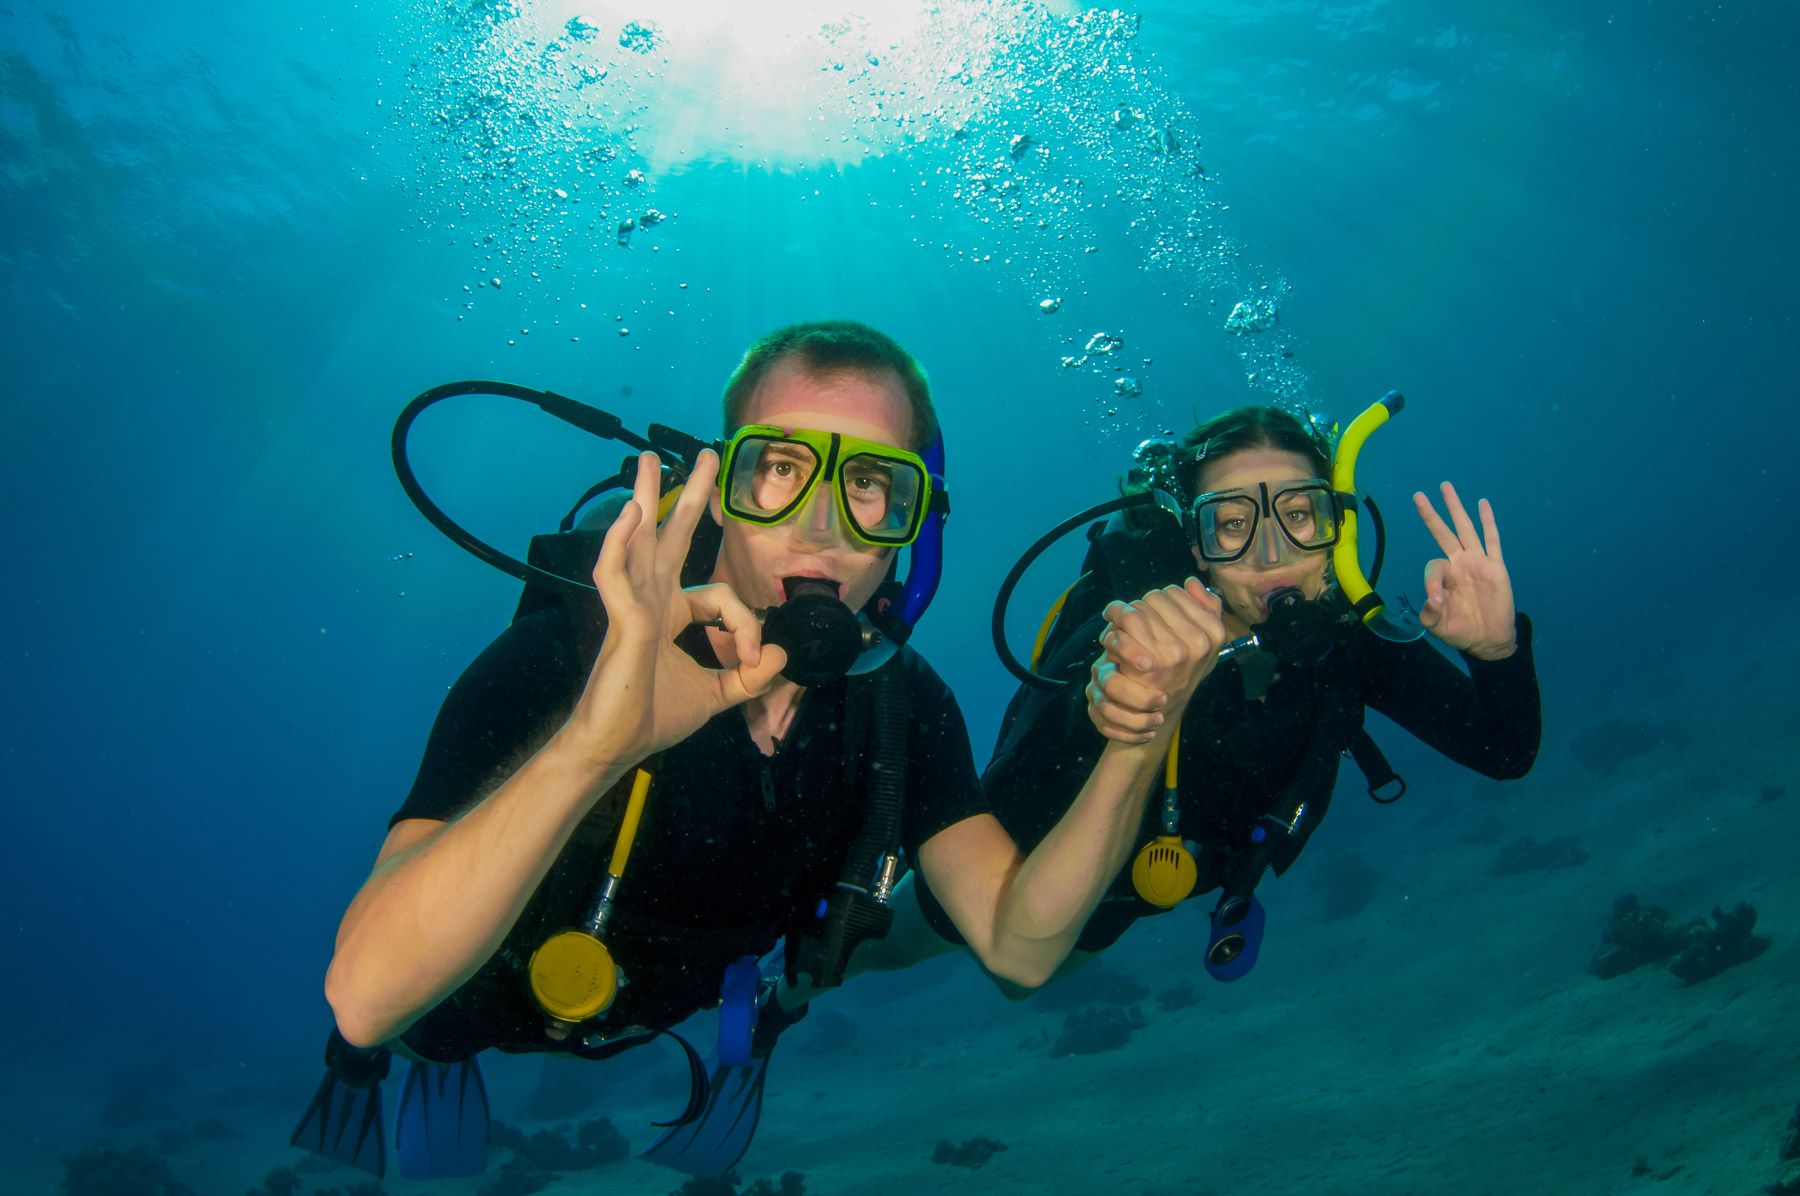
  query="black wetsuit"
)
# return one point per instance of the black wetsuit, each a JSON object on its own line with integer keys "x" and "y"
{"x": 1242, "y": 758}
{"x": 735, "y": 848}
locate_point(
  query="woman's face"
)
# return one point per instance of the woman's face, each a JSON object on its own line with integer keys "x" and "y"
{"x": 1246, "y": 583}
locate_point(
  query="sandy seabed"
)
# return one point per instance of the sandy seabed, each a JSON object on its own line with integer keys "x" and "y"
{"x": 1446, "y": 1038}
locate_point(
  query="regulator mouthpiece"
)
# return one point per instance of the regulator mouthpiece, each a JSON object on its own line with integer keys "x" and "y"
{"x": 1298, "y": 632}
{"x": 821, "y": 635}
{"x": 1285, "y": 598}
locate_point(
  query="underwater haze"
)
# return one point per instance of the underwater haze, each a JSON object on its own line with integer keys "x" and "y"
{"x": 238, "y": 239}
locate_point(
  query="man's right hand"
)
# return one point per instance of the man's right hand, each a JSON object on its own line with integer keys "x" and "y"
{"x": 645, "y": 693}
{"x": 444, "y": 895}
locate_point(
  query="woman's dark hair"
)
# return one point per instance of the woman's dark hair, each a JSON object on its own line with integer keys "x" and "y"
{"x": 1178, "y": 465}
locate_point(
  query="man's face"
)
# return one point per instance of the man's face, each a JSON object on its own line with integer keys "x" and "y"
{"x": 754, "y": 560}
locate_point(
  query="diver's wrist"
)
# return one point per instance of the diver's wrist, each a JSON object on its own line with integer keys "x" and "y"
{"x": 590, "y": 760}
{"x": 1139, "y": 756}
{"x": 1494, "y": 652}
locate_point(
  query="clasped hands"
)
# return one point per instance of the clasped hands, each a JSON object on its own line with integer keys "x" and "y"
{"x": 1155, "y": 652}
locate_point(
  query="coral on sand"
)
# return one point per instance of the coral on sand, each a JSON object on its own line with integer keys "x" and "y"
{"x": 105, "y": 1171}
{"x": 1526, "y": 854}
{"x": 175, "y": 1139}
{"x": 285, "y": 1181}
{"x": 1727, "y": 942}
{"x": 1638, "y": 935}
{"x": 971, "y": 1153}
{"x": 541, "y": 1158}
{"x": 792, "y": 1183}
{"x": 1097, "y": 1028}
{"x": 1695, "y": 951}
{"x": 1180, "y": 996}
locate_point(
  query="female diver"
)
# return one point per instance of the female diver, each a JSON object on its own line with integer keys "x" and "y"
{"x": 1251, "y": 770}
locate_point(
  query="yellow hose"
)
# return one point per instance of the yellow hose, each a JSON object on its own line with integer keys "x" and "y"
{"x": 634, "y": 811}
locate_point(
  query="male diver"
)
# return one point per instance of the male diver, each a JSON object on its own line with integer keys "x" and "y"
{"x": 661, "y": 732}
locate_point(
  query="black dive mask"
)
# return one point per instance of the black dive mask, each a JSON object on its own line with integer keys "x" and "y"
{"x": 821, "y": 635}
{"x": 1298, "y": 632}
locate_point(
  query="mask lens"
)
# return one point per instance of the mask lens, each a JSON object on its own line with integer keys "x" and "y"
{"x": 1224, "y": 526}
{"x": 1305, "y": 516}
{"x": 769, "y": 477}
{"x": 881, "y": 496}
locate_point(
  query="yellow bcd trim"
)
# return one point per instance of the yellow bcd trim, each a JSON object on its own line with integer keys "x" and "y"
{"x": 1037, "y": 646}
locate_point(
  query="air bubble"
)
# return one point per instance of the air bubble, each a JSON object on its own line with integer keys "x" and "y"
{"x": 1253, "y": 315}
{"x": 640, "y": 37}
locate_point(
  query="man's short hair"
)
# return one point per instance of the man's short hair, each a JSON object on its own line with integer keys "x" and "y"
{"x": 827, "y": 346}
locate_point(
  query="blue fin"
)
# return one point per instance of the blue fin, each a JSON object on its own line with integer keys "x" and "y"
{"x": 343, "y": 1122}
{"x": 441, "y": 1129}
{"x": 712, "y": 1143}
{"x": 738, "y": 1012}
{"x": 709, "y": 1142}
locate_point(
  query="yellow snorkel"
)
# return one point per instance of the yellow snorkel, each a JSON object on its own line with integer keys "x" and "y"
{"x": 1399, "y": 627}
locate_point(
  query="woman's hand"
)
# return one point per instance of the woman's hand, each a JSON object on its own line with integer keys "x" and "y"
{"x": 1468, "y": 595}
{"x": 1157, "y": 652}
{"x": 645, "y": 693}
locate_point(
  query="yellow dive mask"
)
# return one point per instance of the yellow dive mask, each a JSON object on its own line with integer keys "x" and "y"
{"x": 880, "y": 493}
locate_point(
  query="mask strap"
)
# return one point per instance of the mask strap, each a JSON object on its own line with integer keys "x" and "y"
{"x": 925, "y": 563}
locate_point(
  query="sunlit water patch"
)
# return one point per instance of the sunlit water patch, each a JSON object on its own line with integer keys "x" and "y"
{"x": 1035, "y": 141}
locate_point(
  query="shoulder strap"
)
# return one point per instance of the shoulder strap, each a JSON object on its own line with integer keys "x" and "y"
{"x": 1377, "y": 772}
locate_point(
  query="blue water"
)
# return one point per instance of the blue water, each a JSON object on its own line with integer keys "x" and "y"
{"x": 237, "y": 239}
